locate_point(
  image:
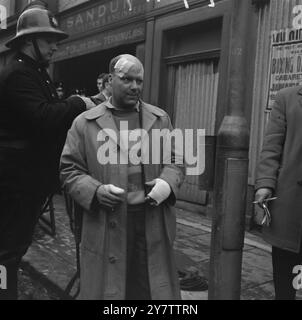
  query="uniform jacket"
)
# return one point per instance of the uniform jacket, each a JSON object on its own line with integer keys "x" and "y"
{"x": 33, "y": 128}
{"x": 280, "y": 168}
{"x": 104, "y": 234}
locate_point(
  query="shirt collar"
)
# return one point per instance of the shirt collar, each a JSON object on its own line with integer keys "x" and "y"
{"x": 109, "y": 105}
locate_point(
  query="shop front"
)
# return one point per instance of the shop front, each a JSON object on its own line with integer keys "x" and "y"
{"x": 98, "y": 32}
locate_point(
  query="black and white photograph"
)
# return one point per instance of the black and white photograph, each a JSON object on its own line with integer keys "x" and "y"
{"x": 149, "y": 150}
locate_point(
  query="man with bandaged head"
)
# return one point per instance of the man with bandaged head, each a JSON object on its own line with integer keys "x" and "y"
{"x": 129, "y": 222}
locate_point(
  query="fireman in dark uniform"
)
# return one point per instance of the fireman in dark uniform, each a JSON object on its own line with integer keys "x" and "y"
{"x": 33, "y": 127}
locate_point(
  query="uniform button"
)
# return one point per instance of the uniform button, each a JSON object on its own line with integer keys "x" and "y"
{"x": 53, "y": 95}
{"x": 299, "y": 183}
{"x": 112, "y": 259}
{"x": 47, "y": 81}
{"x": 113, "y": 224}
{"x": 39, "y": 70}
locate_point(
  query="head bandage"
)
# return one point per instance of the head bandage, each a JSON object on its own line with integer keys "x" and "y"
{"x": 122, "y": 66}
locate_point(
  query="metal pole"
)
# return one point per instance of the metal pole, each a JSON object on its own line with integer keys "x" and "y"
{"x": 231, "y": 170}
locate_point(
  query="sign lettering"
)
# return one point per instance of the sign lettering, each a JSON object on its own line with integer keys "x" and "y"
{"x": 101, "y": 15}
{"x": 104, "y": 40}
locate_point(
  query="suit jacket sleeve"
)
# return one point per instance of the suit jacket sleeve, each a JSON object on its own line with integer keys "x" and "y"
{"x": 271, "y": 154}
{"x": 36, "y": 110}
{"x": 173, "y": 173}
{"x": 73, "y": 167}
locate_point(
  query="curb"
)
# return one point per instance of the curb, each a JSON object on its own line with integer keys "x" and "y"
{"x": 44, "y": 280}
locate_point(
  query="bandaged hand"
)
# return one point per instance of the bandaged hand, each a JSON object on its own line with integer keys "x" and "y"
{"x": 110, "y": 196}
{"x": 160, "y": 191}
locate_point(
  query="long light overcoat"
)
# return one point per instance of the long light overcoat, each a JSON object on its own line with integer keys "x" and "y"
{"x": 104, "y": 234}
{"x": 280, "y": 168}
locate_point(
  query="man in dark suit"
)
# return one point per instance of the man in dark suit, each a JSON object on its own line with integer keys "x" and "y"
{"x": 106, "y": 91}
{"x": 33, "y": 127}
{"x": 279, "y": 175}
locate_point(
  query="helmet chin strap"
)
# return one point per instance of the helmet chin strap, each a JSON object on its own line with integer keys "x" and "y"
{"x": 40, "y": 59}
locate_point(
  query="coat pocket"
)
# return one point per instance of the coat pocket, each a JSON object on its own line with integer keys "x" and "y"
{"x": 93, "y": 232}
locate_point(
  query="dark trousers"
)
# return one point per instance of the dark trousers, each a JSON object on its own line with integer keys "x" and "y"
{"x": 19, "y": 213}
{"x": 283, "y": 263}
{"x": 137, "y": 279}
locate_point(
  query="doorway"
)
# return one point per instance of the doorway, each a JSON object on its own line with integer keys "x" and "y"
{"x": 189, "y": 89}
{"x": 82, "y": 72}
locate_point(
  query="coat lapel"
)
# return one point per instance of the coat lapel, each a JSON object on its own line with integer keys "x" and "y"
{"x": 148, "y": 119}
{"x": 107, "y": 123}
{"x": 104, "y": 119}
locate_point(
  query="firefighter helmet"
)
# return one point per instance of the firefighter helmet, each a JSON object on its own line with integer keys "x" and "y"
{"x": 36, "y": 19}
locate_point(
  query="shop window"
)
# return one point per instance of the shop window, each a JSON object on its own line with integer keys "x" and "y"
{"x": 195, "y": 95}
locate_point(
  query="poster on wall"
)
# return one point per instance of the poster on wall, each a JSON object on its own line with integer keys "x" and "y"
{"x": 285, "y": 62}
{"x": 9, "y": 6}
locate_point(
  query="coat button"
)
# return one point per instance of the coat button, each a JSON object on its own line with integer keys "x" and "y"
{"x": 47, "y": 81}
{"x": 299, "y": 183}
{"x": 112, "y": 259}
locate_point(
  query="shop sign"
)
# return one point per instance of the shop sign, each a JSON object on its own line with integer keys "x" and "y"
{"x": 101, "y": 15}
{"x": 101, "y": 41}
